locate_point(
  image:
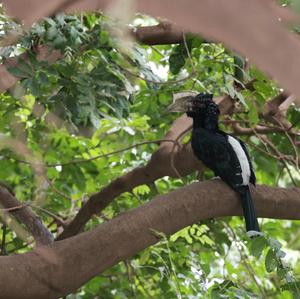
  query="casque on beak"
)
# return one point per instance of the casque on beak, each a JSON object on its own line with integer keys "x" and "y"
{"x": 182, "y": 102}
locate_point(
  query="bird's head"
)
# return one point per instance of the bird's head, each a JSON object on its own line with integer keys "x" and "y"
{"x": 195, "y": 105}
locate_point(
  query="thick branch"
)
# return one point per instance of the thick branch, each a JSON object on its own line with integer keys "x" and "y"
{"x": 61, "y": 268}
{"x": 160, "y": 165}
{"x": 162, "y": 34}
{"x": 25, "y": 215}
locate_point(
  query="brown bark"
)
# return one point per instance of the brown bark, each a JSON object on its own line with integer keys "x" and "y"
{"x": 239, "y": 130}
{"x": 160, "y": 164}
{"x": 26, "y": 216}
{"x": 56, "y": 270}
{"x": 162, "y": 34}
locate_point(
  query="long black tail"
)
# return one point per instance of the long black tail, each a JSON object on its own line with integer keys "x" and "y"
{"x": 249, "y": 209}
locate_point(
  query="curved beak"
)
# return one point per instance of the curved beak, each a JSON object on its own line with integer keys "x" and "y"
{"x": 181, "y": 102}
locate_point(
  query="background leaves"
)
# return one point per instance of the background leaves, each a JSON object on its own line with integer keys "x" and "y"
{"x": 98, "y": 99}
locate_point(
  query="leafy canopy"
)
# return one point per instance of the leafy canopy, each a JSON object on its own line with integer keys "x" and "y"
{"x": 98, "y": 98}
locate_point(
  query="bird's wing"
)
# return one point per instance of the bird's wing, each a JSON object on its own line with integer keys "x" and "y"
{"x": 244, "y": 146}
{"x": 218, "y": 155}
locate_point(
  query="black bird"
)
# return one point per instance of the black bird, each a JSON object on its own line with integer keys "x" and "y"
{"x": 226, "y": 155}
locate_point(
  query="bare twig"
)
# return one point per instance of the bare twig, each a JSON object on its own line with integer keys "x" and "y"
{"x": 159, "y": 165}
{"x": 103, "y": 155}
{"x": 290, "y": 140}
{"x": 158, "y": 82}
{"x": 279, "y": 154}
{"x": 57, "y": 218}
{"x": 51, "y": 184}
{"x": 189, "y": 54}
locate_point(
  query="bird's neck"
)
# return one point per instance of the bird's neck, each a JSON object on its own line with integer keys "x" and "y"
{"x": 209, "y": 123}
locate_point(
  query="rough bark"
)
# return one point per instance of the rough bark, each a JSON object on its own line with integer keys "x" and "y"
{"x": 166, "y": 161}
{"x": 56, "y": 270}
{"x": 158, "y": 166}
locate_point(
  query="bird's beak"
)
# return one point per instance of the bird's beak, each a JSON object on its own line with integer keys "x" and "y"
{"x": 175, "y": 107}
{"x": 181, "y": 102}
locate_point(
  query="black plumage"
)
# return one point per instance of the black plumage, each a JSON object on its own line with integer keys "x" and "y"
{"x": 226, "y": 155}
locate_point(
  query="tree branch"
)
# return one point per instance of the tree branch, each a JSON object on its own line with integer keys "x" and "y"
{"x": 53, "y": 272}
{"x": 164, "y": 162}
{"x": 162, "y": 34}
{"x": 25, "y": 215}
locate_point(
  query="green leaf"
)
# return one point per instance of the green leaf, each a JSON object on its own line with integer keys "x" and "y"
{"x": 270, "y": 261}
{"x": 257, "y": 246}
{"x": 17, "y": 72}
{"x": 52, "y": 32}
{"x": 177, "y": 59}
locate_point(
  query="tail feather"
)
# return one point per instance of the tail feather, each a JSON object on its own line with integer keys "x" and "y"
{"x": 249, "y": 210}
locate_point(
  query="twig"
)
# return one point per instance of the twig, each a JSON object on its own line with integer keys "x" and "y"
{"x": 291, "y": 141}
{"x": 130, "y": 278}
{"x": 158, "y": 82}
{"x": 157, "y": 51}
{"x": 264, "y": 151}
{"x": 275, "y": 149}
{"x": 103, "y": 155}
{"x": 188, "y": 53}
{"x": 25, "y": 215}
{"x": 21, "y": 206}
{"x": 49, "y": 213}
{"x": 260, "y": 128}
{"x": 58, "y": 191}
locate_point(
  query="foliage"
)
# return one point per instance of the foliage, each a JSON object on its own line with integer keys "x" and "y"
{"x": 93, "y": 101}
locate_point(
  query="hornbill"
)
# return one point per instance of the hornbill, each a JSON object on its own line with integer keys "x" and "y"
{"x": 226, "y": 155}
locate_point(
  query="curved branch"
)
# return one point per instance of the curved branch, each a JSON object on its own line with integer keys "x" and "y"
{"x": 53, "y": 272}
{"x": 164, "y": 162}
{"x": 25, "y": 215}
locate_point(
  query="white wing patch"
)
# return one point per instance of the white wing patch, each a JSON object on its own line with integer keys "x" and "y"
{"x": 243, "y": 160}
